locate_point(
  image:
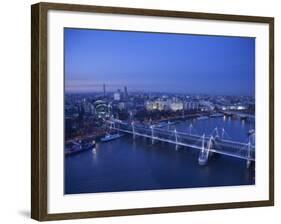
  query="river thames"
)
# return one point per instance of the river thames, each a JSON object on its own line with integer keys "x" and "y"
{"x": 126, "y": 164}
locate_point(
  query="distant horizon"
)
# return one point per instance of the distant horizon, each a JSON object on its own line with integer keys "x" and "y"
{"x": 156, "y": 92}
{"x": 167, "y": 63}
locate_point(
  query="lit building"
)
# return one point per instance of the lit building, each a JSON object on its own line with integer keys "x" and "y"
{"x": 174, "y": 106}
{"x": 121, "y": 106}
{"x": 233, "y": 107}
{"x": 157, "y": 105}
{"x": 88, "y": 107}
{"x": 207, "y": 106}
{"x": 117, "y": 96}
{"x": 164, "y": 105}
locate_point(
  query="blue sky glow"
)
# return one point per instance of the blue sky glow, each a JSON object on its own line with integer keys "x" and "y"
{"x": 157, "y": 62}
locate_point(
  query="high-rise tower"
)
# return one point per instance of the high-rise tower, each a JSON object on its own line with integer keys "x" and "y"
{"x": 125, "y": 93}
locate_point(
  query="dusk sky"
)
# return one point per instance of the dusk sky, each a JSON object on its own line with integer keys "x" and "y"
{"x": 155, "y": 62}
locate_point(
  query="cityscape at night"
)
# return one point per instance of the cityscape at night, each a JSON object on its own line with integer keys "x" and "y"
{"x": 150, "y": 111}
{"x": 85, "y": 113}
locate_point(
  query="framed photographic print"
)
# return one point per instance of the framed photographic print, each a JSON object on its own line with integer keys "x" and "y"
{"x": 141, "y": 111}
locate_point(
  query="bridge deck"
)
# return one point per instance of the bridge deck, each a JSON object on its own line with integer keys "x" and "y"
{"x": 188, "y": 140}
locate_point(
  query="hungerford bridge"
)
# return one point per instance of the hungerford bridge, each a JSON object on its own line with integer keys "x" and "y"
{"x": 206, "y": 144}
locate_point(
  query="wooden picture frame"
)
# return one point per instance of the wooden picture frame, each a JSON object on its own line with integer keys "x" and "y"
{"x": 39, "y": 108}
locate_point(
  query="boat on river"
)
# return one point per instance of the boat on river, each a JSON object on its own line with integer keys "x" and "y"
{"x": 217, "y": 115}
{"x": 110, "y": 137}
{"x": 202, "y": 118}
{"x": 74, "y": 147}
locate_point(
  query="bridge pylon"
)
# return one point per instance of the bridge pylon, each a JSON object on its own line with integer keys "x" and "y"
{"x": 152, "y": 134}
{"x": 216, "y": 132}
{"x": 176, "y": 139}
{"x": 205, "y": 151}
{"x": 222, "y": 133}
{"x": 133, "y": 129}
{"x": 190, "y": 128}
{"x": 249, "y": 154}
{"x": 169, "y": 125}
{"x": 211, "y": 144}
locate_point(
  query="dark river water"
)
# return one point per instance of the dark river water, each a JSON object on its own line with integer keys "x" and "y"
{"x": 128, "y": 165}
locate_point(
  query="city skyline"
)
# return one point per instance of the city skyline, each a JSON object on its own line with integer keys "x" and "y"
{"x": 195, "y": 64}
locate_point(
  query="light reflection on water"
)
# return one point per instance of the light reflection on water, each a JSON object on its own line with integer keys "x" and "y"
{"x": 126, "y": 164}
